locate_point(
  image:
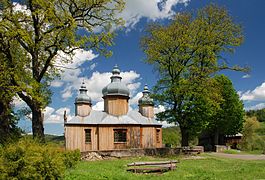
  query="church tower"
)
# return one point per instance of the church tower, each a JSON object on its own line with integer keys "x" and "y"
{"x": 146, "y": 104}
{"x": 82, "y": 102}
{"x": 116, "y": 95}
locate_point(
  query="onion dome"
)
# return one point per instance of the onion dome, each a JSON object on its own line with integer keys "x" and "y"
{"x": 82, "y": 96}
{"x": 146, "y": 99}
{"x": 116, "y": 87}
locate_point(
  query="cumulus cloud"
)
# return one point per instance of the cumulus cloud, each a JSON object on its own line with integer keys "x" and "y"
{"x": 70, "y": 79}
{"x": 258, "y": 94}
{"x": 151, "y": 9}
{"x": 56, "y": 116}
{"x": 256, "y": 107}
{"x": 72, "y": 70}
{"x": 134, "y": 101}
{"x": 99, "y": 106}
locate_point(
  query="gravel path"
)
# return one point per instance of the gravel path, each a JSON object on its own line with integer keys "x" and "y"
{"x": 240, "y": 156}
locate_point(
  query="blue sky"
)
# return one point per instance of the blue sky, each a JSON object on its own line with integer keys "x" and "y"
{"x": 95, "y": 69}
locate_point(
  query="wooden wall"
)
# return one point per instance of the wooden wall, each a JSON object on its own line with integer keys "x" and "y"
{"x": 75, "y": 138}
{"x": 102, "y": 137}
{"x": 106, "y": 138}
{"x": 116, "y": 105}
{"x": 147, "y": 110}
{"x": 82, "y": 109}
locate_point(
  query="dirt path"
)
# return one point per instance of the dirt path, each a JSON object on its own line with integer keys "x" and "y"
{"x": 239, "y": 156}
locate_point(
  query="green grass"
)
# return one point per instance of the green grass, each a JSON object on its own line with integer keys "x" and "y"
{"x": 234, "y": 151}
{"x": 207, "y": 168}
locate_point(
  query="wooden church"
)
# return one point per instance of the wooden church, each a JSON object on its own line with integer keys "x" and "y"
{"x": 115, "y": 127}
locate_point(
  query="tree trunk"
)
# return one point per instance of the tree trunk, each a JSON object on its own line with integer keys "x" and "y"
{"x": 184, "y": 137}
{"x": 4, "y": 122}
{"x": 37, "y": 117}
{"x": 37, "y": 123}
{"x": 216, "y": 137}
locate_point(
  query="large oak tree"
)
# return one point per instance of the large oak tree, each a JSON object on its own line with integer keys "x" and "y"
{"x": 186, "y": 54}
{"x": 33, "y": 32}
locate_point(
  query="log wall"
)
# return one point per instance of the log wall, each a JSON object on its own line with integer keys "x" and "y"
{"x": 147, "y": 110}
{"x": 116, "y": 105}
{"x": 82, "y": 109}
{"x": 102, "y": 137}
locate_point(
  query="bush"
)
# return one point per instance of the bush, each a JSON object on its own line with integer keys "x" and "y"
{"x": 171, "y": 136}
{"x": 252, "y": 140}
{"x": 29, "y": 159}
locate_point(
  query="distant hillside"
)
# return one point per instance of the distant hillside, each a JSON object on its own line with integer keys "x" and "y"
{"x": 54, "y": 138}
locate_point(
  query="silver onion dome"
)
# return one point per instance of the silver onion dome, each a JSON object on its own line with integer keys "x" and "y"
{"x": 82, "y": 96}
{"x": 146, "y": 99}
{"x": 116, "y": 87}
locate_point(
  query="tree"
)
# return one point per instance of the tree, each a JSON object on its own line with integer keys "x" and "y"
{"x": 33, "y": 33}
{"x": 259, "y": 114}
{"x": 8, "y": 120}
{"x": 186, "y": 54}
{"x": 250, "y": 137}
{"x": 230, "y": 117}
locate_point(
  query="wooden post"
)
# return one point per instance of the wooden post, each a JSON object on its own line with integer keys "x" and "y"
{"x": 134, "y": 167}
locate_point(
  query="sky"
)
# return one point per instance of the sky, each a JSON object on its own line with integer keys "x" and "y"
{"x": 95, "y": 70}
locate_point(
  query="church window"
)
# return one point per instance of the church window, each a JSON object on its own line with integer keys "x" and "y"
{"x": 158, "y": 135}
{"x": 120, "y": 135}
{"x": 87, "y": 135}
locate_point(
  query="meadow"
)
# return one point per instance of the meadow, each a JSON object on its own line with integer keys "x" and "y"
{"x": 205, "y": 166}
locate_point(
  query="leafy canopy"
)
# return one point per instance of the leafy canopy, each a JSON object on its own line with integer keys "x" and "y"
{"x": 186, "y": 54}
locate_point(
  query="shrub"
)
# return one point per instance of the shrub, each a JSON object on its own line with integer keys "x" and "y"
{"x": 171, "y": 136}
{"x": 29, "y": 159}
{"x": 252, "y": 140}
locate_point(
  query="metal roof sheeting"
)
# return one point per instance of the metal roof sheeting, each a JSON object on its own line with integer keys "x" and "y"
{"x": 99, "y": 117}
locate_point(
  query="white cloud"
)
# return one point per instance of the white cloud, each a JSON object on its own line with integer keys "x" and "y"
{"x": 92, "y": 66}
{"x": 67, "y": 93}
{"x": 159, "y": 109}
{"x": 256, "y": 107}
{"x": 56, "y": 116}
{"x": 151, "y": 9}
{"x": 246, "y": 76}
{"x": 21, "y": 8}
{"x": 134, "y": 100}
{"x": 70, "y": 78}
{"x": 57, "y": 83}
{"x": 18, "y": 102}
{"x": 97, "y": 82}
{"x": 99, "y": 106}
{"x": 258, "y": 94}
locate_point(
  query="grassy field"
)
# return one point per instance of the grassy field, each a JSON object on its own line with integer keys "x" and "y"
{"x": 207, "y": 168}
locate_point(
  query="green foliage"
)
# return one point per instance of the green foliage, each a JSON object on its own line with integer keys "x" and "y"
{"x": 171, "y": 136}
{"x": 71, "y": 158}
{"x": 186, "y": 54}
{"x": 32, "y": 39}
{"x": 28, "y": 159}
{"x": 229, "y": 118}
{"x": 251, "y": 139}
{"x": 8, "y": 119}
{"x": 260, "y": 114}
